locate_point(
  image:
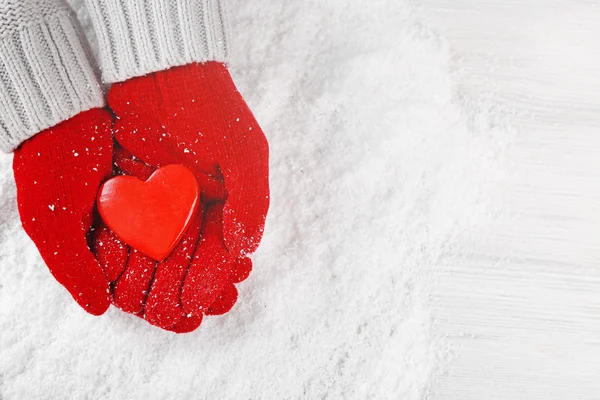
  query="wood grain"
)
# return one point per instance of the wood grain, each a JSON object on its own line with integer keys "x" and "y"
{"x": 521, "y": 302}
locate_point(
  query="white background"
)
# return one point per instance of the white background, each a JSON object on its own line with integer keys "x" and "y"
{"x": 434, "y": 231}
{"x": 522, "y": 307}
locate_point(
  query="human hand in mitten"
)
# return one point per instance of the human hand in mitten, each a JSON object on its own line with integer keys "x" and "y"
{"x": 194, "y": 116}
{"x": 57, "y": 174}
{"x": 151, "y": 289}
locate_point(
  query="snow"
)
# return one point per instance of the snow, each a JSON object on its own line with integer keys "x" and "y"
{"x": 377, "y": 167}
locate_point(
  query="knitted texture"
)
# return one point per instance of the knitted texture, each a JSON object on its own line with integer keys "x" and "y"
{"x": 57, "y": 174}
{"x": 152, "y": 290}
{"x": 194, "y": 116}
{"x": 45, "y": 73}
{"x": 137, "y": 37}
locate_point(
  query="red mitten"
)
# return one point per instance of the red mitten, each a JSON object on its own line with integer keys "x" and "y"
{"x": 57, "y": 174}
{"x": 152, "y": 290}
{"x": 194, "y": 116}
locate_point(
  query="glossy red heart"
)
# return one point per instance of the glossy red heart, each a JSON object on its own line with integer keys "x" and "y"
{"x": 151, "y": 216}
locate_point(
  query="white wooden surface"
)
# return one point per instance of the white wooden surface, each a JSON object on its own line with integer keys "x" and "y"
{"x": 520, "y": 302}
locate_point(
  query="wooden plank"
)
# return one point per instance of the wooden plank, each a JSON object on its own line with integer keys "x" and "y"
{"x": 520, "y": 300}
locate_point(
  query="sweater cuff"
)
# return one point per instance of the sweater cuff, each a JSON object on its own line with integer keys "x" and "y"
{"x": 138, "y": 37}
{"x": 45, "y": 73}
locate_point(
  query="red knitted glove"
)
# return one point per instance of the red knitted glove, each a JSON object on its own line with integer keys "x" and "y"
{"x": 58, "y": 173}
{"x": 194, "y": 116}
{"x": 152, "y": 290}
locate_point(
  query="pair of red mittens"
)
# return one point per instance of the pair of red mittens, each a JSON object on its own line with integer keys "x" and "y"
{"x": 192, "y": 116}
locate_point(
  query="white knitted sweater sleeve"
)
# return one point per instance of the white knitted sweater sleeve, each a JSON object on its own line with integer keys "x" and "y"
{"x": 137, "y": 37}
{"x": 45, "y": 73}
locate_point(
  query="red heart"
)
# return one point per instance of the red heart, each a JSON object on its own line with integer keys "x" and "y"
{"x": 150, "y": 216}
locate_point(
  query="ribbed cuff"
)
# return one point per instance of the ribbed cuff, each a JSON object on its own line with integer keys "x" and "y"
{"x": 45, "y": 73}
{"x": 137, "y": 37}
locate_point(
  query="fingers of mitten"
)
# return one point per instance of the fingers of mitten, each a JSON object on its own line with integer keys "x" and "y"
{"x": 224, "y": 302}
{"x": 129, "y": 164}
{"x": 246, "y": 172}
{"x": 186, "y": 324}
{"x": 163, "y": 307}
{"x": 132, "y": 288}
{"x": 209, "y": 271}
{"x": 241, "y": 269}
{"x": 110, "y": 251}
{"x": 73, "y": 266}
